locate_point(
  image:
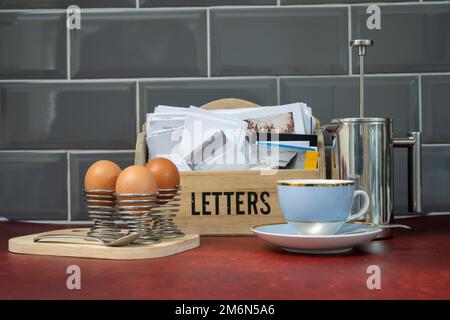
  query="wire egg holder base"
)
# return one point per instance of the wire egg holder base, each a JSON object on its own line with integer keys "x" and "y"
{"x": 135, "y": 210}
{"x": 101, "y": 209}
{"x": 168, "y": 204}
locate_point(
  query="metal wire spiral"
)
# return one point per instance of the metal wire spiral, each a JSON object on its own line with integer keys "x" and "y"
{"x": 101, "y": 209}
{"x": 136, "y": 212}
{"x": 168, "y": 204}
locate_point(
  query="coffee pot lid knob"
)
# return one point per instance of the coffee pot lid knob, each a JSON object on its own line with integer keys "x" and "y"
{"x": 361, "y": 44}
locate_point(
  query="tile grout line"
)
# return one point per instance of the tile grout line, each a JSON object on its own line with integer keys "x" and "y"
{"x": 138, "y": 108}
{"x": 132, "y": 80}
{"x": 400, "y": 74}
{"x": 420, "y": 104}
{"x": 208, "y": 43}
{"x": 68, "y": 49}
{"x": 69, "y": 191}
{"x": 349, "y": 26}
{"x": 278, "y": 91}
{"x": 247, "y": 77}
{"x": 435, "y": 145}
{"x": 225, "y": 7}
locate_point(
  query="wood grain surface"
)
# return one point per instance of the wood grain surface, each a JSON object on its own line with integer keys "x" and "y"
{"x": 90, "y": 249}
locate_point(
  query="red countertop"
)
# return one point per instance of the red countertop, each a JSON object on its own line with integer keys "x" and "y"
{"x": 414, "y": 265}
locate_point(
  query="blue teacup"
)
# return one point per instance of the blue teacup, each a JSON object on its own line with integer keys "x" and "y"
{"x": 319, "y": 207}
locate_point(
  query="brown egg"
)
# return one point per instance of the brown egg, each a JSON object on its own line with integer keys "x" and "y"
{"x": 165, "y": 172}
{"x": 102, "y": 175}
{"x": 166, "y": 175}
{"x": 136, "y": 179}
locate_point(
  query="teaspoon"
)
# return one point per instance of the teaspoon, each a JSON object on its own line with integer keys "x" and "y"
{"x": 122, "y": 241}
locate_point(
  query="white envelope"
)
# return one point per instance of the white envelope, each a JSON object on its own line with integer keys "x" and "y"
{"x": 234, "y": 111}
{"x": 253, "y": 113}
{"x": 170, "y": 109}
{"x": 227, "y": 159}
{"x": 162, "y": 121}
{"x": 201, "y": 124}
{"x": 309, "y": 121}
{"x": 164, "y": 142}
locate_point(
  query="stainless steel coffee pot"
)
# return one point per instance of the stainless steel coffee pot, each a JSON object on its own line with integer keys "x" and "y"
{"x": 362, "y": 150}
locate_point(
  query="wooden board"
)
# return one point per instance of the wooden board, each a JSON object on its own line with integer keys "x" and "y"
{"x": 202, "y": 213}
{"x": 89, "y": 249}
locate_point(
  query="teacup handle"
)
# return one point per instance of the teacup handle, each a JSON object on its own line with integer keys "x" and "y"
{"x": 365, "y": 205}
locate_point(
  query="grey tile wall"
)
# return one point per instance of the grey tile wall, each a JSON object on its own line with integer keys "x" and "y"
{"x": 33, "y": 185}
{"x": 140, "y": 44}
{"x": 199, "y": 92}
{"x": 338, "y": 97}
{"x": 413, "y": 38}
{"x": 67, "y": 115}
{"x": 32, "y": 45}
{"x": 279, "y": 41}
{"x": 194, "y": 3}
{"x": 436, "y": 111}
{"x": 39, "y": 4}
{"x": 436, "y": 177}
{"x": 79, "y": 163}
{"x": 401, "y": 181}
{"x": 125, "y": 60}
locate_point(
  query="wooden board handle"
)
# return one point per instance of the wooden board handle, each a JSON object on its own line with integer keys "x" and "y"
{"x": 228, "y": 103}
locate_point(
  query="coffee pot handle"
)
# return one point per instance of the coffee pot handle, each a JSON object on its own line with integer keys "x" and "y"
{"x": 414, "y": 144}
{"x": 330, "y": 128}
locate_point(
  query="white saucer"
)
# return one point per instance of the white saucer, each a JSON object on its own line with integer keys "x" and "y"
{"x": 344, "y": 240}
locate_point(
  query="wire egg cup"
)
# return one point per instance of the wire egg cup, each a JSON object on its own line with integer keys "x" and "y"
{"x": 135, "y": 210}
{"x": 101, "y": 209}
{"x": 168, "y": 204}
